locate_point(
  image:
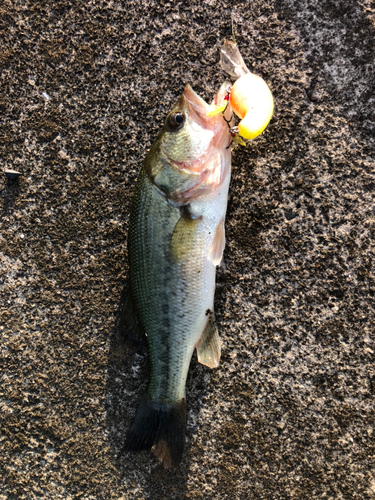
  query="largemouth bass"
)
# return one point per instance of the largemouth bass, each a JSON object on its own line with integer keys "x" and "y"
{"x": 176, "y": 240}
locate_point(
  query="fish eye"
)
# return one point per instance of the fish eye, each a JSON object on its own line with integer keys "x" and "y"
{"x": 176, "y": 120}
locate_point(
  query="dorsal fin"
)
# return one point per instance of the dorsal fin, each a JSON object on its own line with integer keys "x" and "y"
{"x": 208, "y": 347}
{"x": 129, "y": 322}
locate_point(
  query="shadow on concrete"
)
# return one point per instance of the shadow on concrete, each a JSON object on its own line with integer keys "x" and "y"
{"x": 10, "y": 193}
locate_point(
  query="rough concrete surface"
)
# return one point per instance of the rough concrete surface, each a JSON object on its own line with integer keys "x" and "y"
{"x": 289, "y": 414}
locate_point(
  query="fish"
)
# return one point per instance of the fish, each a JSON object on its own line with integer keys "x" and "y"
{"x": 176, "y": 240}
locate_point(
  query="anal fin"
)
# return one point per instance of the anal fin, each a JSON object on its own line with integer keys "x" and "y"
{"x": 208, "y": 347}
{"x": 218, "y": 244}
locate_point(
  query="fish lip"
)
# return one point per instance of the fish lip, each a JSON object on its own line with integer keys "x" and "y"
{"x": 196, "y": 103}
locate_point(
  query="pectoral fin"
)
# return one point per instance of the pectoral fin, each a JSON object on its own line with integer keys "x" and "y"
{"x": 183, "y": 238}
{"x": 208, "y": 347}
{"x": 217, "y": 248}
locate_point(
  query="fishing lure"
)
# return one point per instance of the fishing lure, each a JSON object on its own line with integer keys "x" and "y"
{"x": 250, "y": 96}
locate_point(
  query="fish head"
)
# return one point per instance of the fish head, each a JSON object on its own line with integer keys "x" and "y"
{"x": 189, "y": 134}
{"x": 192, "y": 148}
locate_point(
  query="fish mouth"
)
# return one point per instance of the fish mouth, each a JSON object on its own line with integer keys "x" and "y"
{"x": 196, "y": 103}
{"x": 201, "y": 109}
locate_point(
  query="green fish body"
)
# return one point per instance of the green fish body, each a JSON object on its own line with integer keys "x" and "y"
{"x": 176, "y": 240}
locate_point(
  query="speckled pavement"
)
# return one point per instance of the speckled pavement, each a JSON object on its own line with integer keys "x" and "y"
{"x": 289, "y": 414}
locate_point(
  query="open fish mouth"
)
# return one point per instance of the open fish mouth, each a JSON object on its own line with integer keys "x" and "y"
{"x": 199, "y": 105}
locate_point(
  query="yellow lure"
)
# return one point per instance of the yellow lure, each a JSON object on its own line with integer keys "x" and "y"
{"x": 250, "y": 96}
{"x": 252, "y": 101}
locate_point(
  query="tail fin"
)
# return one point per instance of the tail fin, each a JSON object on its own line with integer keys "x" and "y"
{"x": 160, "y": 428}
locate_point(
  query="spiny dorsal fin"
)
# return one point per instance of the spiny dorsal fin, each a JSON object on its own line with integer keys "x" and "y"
{"x": 129, "y": 321}
{"x": 183, "y": 238}
{"x": 208, "y": 347}
{"x": 217, "y": 248}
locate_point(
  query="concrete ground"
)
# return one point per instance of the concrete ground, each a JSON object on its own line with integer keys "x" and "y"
{"x": 289, "y": 414}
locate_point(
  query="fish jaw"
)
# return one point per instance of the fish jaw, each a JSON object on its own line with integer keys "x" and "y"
{"x": 195, "y": 103}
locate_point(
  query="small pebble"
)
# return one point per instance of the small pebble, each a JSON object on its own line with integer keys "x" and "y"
{"x": 12, "y": 174}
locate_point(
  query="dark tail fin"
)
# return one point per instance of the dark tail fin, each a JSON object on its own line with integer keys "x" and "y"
{"x": 160, "y": 428}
